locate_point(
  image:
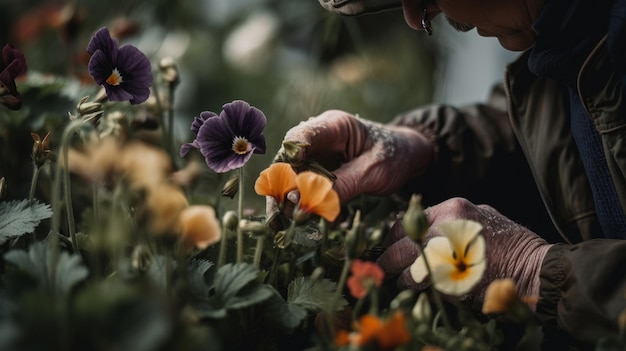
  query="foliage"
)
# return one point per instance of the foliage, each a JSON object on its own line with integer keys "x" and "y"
{"x": 102, "y": 263}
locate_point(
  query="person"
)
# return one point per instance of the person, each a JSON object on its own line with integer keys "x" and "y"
{"x": 554, "y": 131}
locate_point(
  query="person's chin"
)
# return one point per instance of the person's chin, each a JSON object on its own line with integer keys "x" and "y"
{"x": 518, "y": 42}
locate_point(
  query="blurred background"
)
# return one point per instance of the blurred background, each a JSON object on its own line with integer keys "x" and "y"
{"x": 289, "y": 58}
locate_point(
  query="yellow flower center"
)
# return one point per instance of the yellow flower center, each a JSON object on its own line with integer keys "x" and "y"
{"x": 461, "y": 272}
{"x": 115, "y": 78}
{"x": 241, "y": 145}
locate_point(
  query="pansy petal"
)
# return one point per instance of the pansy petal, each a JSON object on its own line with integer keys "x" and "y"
{"x": 102, "y": 40}
{"x": 317, "y": 195}
{"x": 185, "y": 148}
{"x": 476, "y": 251}
{"x": 117, "y": 93}
{"x": 460, "y": 232}
{"x": 448, "y": 280}
{"x": 100, "y": 67}
{"x": 13, "y": 61}
{"x": 198, "y": 121}
{"x": 330, "y": 206}
{"x": 136, "y": 73}
{"x": 438, "y": 251}
{"x": 418, "y": 270}
{"x": 276, "y": 181}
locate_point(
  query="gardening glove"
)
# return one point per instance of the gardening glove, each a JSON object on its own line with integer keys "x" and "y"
{"x": 512, "y": 251}
{"x": 364, "y": 157}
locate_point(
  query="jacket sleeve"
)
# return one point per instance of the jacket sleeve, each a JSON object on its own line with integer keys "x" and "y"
{"x": 479, "y": 158}
{"x": 582, "y": 291}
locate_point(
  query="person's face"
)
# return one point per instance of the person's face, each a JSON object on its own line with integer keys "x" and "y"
{"x": 508, "y": 20}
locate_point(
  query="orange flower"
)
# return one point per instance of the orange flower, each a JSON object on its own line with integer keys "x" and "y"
{"x": 316, "y": 196}
{"x": 365, "y": 275}
{"x": 388, "y": 334}
{"x": 276, "y": 181}
{"x": 199, "y": 226}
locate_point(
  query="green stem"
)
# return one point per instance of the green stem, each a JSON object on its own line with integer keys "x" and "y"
{"x": 240, "y": 217}
{"x": 33, "y": 183}
{"x": 272, "y": 276}
{"x": 258, "y": 251}
{"x": 436, "y": 296}
{"x": 95, "y": 203}
{"x": 56, "y": 189}
{"x": 333, "y": 303}
{"x": 67, "y": 190}
{"x": 170, "y": 124}
{"x": 164, "y": 127}
{"x": 223, "y": 241}
{"x": 373, "y": 293}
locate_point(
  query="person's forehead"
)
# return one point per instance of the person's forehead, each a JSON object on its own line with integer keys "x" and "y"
{"x": 358, "y": 7}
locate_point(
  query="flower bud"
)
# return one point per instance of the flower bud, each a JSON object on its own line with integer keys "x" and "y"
{"x": 141, "y": 258}
{"x": 414, "y": 221}
{"x": 256, "y": 229}
{"x": 355, "y": 241}
{"x": 169, "y": 69}
{"x": 422, "y": 312}
{"x": 317, "y": 274}
{"x": 230, "y": 220}
{"x": 88, "y": 111}
{"x": 41, "y": 149}
{"x": 3, "y": 187}
{"x": 231, "y": 187}
{"x": 403, "y": 300}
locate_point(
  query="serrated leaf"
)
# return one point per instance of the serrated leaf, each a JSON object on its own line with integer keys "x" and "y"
{"x": 198, "y": 286}
{"x": 280, "y": 312}
{"x": 37, "y": 262}
{"x": 235, "y": 286}
{"x": 231, "y": 278}
{"x": 314, "y": 295}
{"x": 19, "y": 217}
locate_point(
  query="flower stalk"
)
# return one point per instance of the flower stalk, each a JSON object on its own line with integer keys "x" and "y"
{"x": 240, "y": 216}
{"x": 436, "y": 294}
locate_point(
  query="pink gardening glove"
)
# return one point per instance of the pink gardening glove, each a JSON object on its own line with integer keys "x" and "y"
{"x": 512, "y": 251}
{"x": 366, "y": 157}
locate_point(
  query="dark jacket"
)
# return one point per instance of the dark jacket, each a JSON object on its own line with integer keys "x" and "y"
{"x": 481, "y": 156}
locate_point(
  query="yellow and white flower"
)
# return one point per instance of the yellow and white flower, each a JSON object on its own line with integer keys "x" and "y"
{"x": 457, "y": 259}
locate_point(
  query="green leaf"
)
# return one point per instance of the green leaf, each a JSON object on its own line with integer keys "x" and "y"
{"x": 37, "y": 262}
{"x": 284, "y": 314}
{"x": 19, "y": 217}
{"x": 231, "y": 278}
{"x": 196, "y": 278}
{"x": 314, "y": 295}
{"x": 234, "y": 287}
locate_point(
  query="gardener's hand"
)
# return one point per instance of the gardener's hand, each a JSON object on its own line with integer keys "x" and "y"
{"x": 512, "y": 251}
{"x": 366, "y": 157}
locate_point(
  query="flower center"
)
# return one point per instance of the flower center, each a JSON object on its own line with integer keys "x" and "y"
{"x": 115, "y": 78}
{"x": 241, "y": 145}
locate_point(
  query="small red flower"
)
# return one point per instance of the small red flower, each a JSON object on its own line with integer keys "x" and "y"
{"x": 365, "y": 275}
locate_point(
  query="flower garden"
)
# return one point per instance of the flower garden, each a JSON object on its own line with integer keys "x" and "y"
{"x": 127, "y": 237}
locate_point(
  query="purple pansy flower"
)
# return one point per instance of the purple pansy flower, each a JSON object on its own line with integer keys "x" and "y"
{"x": 228, "y": 141}
{"x": 125, "y": 72}
{"x": 12, "y": 65}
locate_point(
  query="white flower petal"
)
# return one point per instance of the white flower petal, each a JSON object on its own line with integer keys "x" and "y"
{"x": 460, "y": 232}
{"x": 476, "y": 251}
{"x": 438, "y": 251}
{"x": 418, "y": 270}
{"x": 446, "y": 280}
